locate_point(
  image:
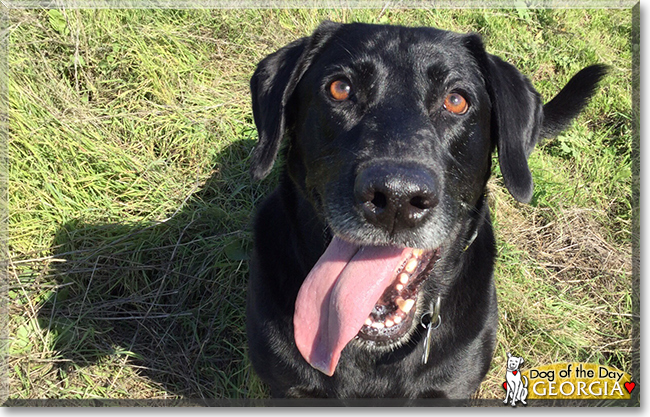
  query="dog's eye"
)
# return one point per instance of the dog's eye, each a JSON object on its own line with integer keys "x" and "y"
{"x": 340, "y": 90}
{"x": 455, "y": 103}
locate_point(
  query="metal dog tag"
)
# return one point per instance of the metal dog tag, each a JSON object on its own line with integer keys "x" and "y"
{"x": 435, "y": 318}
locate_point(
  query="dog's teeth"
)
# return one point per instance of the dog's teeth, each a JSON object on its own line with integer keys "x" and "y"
{"x": 411, "y": 265}
{"x": 389, "y": 323}
{"x": 417, "y": 252}
{"x": 368, "y": 322}
{"x": 397, "y": 319}
{"x": 408, "y": 305}
{"x": 404, "y": 278}
{"x": 399, "y": 287}
{"x": 404, "y": 305}
{"x": 378, "y": 325}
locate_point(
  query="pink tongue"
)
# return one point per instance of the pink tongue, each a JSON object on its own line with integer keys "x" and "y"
{"x": 338, "y": 295}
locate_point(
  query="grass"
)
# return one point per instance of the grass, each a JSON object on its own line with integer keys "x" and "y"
{"x": 130, "y": 201}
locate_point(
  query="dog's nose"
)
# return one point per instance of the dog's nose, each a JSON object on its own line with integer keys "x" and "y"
{"x": 394, "y": 196}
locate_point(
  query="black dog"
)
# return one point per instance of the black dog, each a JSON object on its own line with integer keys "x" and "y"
{"x": 381, "y": 208}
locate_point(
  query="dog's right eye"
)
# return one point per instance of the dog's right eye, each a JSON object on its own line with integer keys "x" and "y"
{"x": 340, "y": 90}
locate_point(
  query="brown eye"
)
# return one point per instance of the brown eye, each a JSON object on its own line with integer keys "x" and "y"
{"x": 340, "y": 90}
{"x": 455, "y": 103}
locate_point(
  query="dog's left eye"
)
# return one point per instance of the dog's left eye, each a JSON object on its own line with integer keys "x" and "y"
{"x": 456, "y": 103}
{"x": 340, "y": 90}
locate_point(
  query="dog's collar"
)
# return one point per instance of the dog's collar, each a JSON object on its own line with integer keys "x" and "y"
{"x": 471, "y": 239}
{"x": 477, "y": 222}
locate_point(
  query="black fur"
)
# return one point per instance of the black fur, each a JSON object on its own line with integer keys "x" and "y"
{"x": 393, "y": 129}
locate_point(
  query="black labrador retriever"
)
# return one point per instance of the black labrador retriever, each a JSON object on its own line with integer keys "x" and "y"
{"x": 372, "y": 269}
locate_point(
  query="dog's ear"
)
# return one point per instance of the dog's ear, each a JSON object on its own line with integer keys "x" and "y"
{"x": 516, "y": 118}
{"x": 272, "y": 85}
{"x": 519, "y": 120}
{"x": 509, "y": 355}
{"x": 521, "y": 361}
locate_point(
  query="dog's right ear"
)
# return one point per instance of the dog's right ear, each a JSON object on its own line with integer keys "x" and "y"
{"x": 517, "y": 116}
{"x": 519, "y": 119}
{"x": 272, "y": 85}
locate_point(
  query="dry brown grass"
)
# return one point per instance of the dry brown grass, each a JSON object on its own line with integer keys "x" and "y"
{"x": 566, "y": 253}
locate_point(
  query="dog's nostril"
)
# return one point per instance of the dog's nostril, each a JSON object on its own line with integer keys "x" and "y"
{"x": 379, "y": 200}
{"x": 420, "y": 202}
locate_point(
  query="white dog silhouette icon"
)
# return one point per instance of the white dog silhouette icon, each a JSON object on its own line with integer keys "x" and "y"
{"x": 516, "y": 389}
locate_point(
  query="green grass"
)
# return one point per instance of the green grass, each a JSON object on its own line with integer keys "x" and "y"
{"x": 130, "y": 202}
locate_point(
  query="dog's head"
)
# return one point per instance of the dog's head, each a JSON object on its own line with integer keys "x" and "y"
{"x": 390, "y": 133}
{"x": 514, "y": 362}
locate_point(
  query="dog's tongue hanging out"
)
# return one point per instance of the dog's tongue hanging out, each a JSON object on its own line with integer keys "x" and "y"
{"x": 338, "y": 295}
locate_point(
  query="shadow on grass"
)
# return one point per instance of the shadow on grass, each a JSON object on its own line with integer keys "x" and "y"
{"x": 166, "y": 298}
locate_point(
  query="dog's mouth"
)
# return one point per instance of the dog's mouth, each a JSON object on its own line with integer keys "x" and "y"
{"x": 364, "y": 292}
{"x": 393, "y": 314}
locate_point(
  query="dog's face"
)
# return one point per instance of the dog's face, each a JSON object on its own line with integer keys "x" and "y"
{"x": 392, "y": 151}
{"x": 514, "y": 362}
{"x": 390, "y": 132}
{"x": 390, "y": 135}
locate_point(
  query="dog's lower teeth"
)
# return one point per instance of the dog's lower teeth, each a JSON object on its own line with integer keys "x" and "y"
{"x": 404, "y": 305}
{"x": 411, "y": 265}
{"x": 390, "y": 318}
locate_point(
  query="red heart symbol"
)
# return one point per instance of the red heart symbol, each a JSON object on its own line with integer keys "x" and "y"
{"x": 629, "y": 386}
{"x": 505, "y": 386}
{"x": 514, "y": 372}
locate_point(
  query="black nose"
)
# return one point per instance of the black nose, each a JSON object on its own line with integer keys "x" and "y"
{"x": 395, "y": 196}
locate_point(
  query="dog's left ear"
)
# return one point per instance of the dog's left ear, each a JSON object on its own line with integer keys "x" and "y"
{"x": 519, "y": 119}
{"x": 521, "y": 361}
{"x": 272, "y": 85}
